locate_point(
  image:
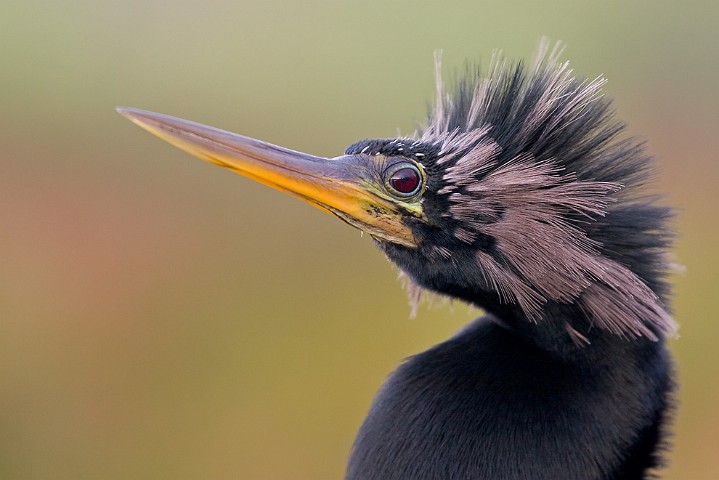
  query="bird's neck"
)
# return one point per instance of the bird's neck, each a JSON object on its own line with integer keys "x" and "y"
{"x": 563, "y": 330}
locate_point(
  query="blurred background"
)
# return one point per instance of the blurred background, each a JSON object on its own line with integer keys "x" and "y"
{"x": 164, "y": 318}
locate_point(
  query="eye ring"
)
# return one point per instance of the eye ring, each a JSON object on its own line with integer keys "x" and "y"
{"x": 404, "y": 180}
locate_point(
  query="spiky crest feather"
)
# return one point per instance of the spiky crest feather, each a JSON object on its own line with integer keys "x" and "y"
{"x": 532, "y": 159}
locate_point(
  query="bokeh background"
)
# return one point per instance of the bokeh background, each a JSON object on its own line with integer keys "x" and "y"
{"x": 163, "y": 318}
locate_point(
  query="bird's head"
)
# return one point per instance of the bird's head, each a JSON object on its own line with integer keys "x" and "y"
{"x": 518, "y": 195}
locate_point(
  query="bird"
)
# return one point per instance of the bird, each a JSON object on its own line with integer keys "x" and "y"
{"x": 524, "y": 195}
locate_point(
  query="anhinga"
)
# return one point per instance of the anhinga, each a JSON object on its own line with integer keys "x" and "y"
{"x": 521, "y": 195}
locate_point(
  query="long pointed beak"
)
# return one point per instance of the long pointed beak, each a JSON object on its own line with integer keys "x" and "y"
{"x": 341, "y": 185}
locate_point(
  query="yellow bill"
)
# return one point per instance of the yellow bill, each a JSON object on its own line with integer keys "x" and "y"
{"x": 346, "y": 186}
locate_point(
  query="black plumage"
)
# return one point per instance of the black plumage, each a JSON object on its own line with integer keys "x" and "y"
{"x": 524, "y": 196}
{"x": 565, "y": 393}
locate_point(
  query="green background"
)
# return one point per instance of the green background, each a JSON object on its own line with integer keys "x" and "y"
{"x": 163, "y": 318}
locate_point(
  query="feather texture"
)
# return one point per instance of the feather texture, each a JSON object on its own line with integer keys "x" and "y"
{"x": 534, "y": 159}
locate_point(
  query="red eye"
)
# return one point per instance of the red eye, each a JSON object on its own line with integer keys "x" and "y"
{"x": 405, "y": 181}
